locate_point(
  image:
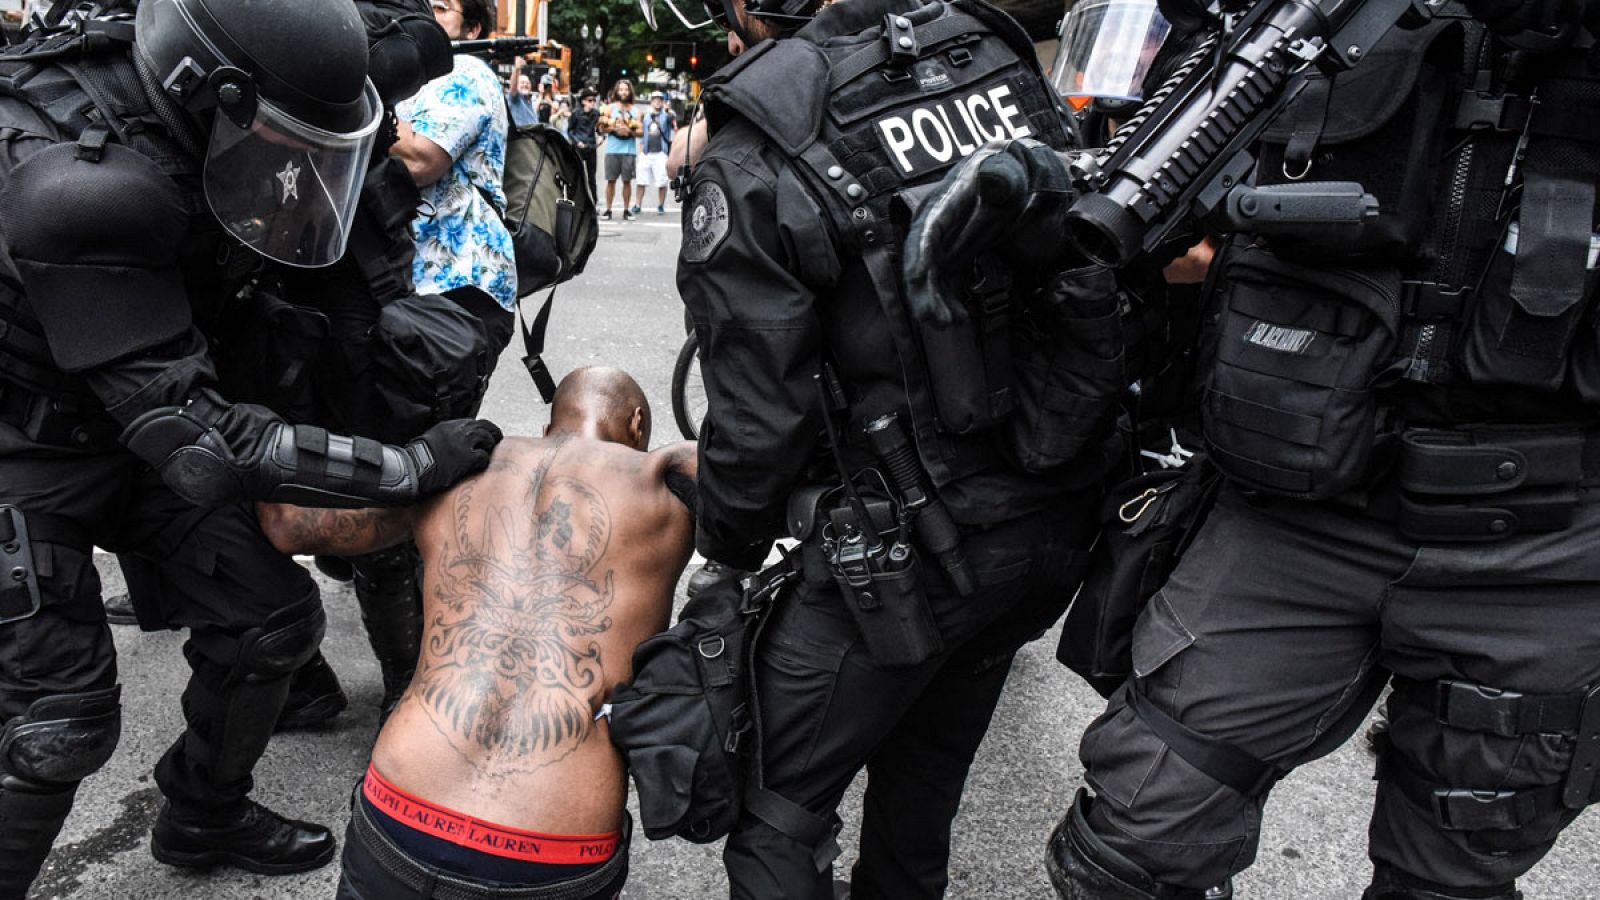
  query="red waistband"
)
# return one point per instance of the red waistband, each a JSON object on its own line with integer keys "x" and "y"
{"x": 486, "y": 837}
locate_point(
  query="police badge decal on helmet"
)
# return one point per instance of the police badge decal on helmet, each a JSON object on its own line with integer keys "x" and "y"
{"x": 708, "y": 223}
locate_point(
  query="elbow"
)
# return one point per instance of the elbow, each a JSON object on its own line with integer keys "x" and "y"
{"x": 275, "y": 524}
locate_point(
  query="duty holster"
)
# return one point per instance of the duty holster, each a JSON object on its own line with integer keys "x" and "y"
{"x": 19, "y": 579}
{"x": 1490, "y": 484}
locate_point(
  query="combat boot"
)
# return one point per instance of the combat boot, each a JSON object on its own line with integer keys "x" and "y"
{"x": 388, "y": 588}
{"x": 248, "y": 836}
{"x": 1390, "y": 884}
{"x": 1082, "y": 867}
{"x": 315, "y": 697}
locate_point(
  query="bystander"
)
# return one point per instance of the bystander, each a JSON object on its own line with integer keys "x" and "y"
{"x": 659, "y": 123}
{"x": 621, "y": 125}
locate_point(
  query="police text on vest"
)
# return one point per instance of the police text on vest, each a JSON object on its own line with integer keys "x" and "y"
{"x": 930, "y": 136}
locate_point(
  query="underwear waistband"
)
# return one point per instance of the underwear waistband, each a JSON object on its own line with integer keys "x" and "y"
{"x": 485, "y": 837}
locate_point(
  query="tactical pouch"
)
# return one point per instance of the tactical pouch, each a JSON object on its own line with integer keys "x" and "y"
{"x": 1490, "y": 484}
{"x": 684, "y": 722}
{"x": 278, "y": 346}
{"x": 1068, "y": 369}
{"x": 433, "y": 359}
{"x": 1147, "y": 523}
{"x": 1519, "y": 337}
{"x": 1380, "y": 124}
{"x": 1292, "y": 407}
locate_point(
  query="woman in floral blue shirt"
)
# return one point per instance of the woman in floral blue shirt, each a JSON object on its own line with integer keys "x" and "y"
{"x": 453, "y": 141}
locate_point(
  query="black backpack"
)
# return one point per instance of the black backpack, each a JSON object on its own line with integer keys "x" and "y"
{"x": 550, "y": 212}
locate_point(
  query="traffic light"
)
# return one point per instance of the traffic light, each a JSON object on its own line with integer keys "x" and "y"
{"x": 694, "y": 61}
{"x": 649, "y": 57}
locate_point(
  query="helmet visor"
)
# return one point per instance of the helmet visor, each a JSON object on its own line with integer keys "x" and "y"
{"x": 1107, "y": 47}
{"x": 287, "y": 189}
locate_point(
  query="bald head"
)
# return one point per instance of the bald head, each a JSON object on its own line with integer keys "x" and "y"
{"x": 602, "y": 403}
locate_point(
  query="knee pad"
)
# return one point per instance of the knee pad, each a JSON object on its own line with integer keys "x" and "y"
{"x": 1391, "y": 884}
{"x": 61, "y": 739}
{"x": 1082, "y": 867}
{"x": 283, "y": 643}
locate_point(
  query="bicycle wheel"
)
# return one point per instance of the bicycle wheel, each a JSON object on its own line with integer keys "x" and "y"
{"x": 688, "y": 390}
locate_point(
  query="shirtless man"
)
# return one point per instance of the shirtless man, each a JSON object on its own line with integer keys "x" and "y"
{"x": 541, "y": 575}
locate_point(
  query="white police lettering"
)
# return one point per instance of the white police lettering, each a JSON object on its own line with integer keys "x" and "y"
{"x": 933, "y": 135}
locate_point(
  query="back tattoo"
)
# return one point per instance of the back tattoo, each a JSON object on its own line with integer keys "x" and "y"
{"x": 511, "y": 661}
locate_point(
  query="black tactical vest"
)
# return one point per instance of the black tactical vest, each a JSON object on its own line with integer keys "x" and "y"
{"x": 1433, "y": 317}
{"x": 871, "y": 120}
{"x": 83, "y": 84}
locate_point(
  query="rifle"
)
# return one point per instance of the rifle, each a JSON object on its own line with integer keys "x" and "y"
{"x": 1184, "y": 155}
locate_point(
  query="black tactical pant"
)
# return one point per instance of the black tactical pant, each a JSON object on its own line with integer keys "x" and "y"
{"x": 218, "y": 577}
{"x": 828, "y": 710}
{"x": 1270, "y": 635}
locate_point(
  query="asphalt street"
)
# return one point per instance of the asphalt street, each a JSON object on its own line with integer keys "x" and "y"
{"x": 624, "y": 311}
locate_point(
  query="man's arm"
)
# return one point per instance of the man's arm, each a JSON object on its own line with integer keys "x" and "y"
{"x": 334, "y": 532}
{"x": 426, "y": 161}
{"x": 753, "y": 248}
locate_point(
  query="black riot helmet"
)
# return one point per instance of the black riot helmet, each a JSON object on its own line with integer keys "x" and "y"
{"x": 282, "y": 86}
{"x": 787, "y": 15}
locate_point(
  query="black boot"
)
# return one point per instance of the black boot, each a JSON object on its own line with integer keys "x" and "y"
{"x": 1391, "y": 884}
{"x": 1082, "y": 867}
{"x": 315, "y": 697}
{"x": 389, "y": 588}
{"x": 249, "y": 837}
{"x": 119, "y": 610}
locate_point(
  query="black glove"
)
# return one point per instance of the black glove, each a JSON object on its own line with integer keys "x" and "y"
{"x": 1537, "y": 25}
{"x": 1008, "y": 199}
{"x": 450, "y": 451}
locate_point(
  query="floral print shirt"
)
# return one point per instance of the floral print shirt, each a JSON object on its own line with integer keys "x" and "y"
{"x": 461, "y": 239}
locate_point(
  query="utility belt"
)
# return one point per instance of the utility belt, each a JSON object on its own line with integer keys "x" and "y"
{"x": 1488, "y": 484}
{"x": 58, "y": 419}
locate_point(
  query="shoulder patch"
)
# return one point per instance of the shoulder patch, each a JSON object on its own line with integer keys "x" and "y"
{"x": 707, "y": 224}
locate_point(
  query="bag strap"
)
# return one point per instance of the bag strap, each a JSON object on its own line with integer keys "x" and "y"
{"x": 788, "y": 817}
{"x": 533, "y": 346}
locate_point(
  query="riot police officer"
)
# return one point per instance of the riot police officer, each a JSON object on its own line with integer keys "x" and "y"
{"x": 942, "y": 512}
{"x": 1406, "y": 421}
{"x": 149, "y": 162}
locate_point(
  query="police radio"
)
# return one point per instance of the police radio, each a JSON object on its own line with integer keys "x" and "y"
{"x": 1183, "y": 156}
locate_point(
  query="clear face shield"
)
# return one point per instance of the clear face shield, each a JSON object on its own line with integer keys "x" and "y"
{"x": 1107, "y": 47}
{"x": 648, "y": 8}
{"x": 285, "y": 188}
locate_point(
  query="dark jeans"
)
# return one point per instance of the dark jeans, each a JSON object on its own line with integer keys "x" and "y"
{"x": 828, "y": 710}
{"x": 1270, "y": 633}
{"x": 376, "y": 868}
{"x": 589, "y": 155}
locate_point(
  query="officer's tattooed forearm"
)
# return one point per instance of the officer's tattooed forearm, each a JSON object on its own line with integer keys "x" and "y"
{"x": 334, "y": 532}
{"x": 511, "y": 668}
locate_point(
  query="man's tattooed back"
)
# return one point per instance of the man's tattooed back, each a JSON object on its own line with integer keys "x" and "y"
{"x": 540, "y": 576}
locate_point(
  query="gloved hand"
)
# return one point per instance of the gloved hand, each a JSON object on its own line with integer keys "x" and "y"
{"x": 1009, "y": 199}
{"x": 450, "y": 451}
{"x": 1537, "y": 25}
